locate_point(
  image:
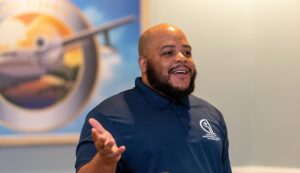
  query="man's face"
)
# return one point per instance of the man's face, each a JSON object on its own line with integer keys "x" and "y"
{"x": 170, "y": 66}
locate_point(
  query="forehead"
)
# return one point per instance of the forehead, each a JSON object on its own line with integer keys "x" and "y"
{"x": 170, "y": 36}
{"x": 164, "y": 37}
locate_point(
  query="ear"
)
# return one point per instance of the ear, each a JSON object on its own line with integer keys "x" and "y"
{"x": 143, "y": 64}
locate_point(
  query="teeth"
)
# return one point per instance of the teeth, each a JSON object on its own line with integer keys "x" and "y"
{"x": 180, "y": 72}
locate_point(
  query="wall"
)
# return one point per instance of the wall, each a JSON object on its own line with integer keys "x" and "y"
{"x": 262, "y": 169}
{"x": 248, "y": 58}
{"x": 43, "y": 159}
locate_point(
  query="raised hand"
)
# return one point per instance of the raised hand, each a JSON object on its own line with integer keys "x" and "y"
{"x": 105, "y": 143}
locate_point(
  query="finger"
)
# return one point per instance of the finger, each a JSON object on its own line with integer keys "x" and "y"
{"x": 95, "y": 124}
{"x": 107, "y": 150}
{"x": 117, "y": 153}
{"x": 106, "y": 136}
{"x": 98, "y": 139}
{"x": 96, "y": 135}
{"x": 109, "y": 144}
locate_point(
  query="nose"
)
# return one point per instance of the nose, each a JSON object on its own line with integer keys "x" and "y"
{"x": 180, "y": 57}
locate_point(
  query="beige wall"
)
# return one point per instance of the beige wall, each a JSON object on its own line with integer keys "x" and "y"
{"x": 248, "y": 58}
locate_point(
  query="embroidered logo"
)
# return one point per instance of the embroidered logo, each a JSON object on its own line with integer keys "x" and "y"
{"x": 204, "y": 124}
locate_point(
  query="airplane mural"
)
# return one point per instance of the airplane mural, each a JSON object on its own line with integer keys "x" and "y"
{"x": 52, "y": 60}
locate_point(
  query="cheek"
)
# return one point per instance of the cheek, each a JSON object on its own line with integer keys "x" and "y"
{"x": 191, "y": 64}
{"x": 163, "y": 68}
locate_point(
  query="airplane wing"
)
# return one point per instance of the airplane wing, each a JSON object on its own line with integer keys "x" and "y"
{"x": 102, "y": 28}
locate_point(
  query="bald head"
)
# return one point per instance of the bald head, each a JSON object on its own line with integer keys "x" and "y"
{"x": 152, "y": 34}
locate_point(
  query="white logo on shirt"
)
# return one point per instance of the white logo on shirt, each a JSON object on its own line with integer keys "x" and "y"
{"x": 204, "y": 124}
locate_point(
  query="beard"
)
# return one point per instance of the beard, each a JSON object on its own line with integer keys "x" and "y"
{"x": 163, "y": 84}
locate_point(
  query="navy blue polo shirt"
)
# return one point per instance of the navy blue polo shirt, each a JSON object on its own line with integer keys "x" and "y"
{"x": 160, "y": 135}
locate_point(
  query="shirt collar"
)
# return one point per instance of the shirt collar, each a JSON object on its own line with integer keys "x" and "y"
{"x": 155, "y": 98}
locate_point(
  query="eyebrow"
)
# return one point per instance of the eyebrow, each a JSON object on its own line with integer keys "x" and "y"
{"x": 172, "y": 46}
{"x": 187, "y": 46}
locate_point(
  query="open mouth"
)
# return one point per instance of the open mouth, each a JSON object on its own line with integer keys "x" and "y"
{"x": 180, "y": 70}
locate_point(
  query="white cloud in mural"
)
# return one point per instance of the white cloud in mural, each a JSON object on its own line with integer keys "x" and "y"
{"x": 11, "y": 31}
{"x": 110, "y": 59}
{"x": 94, "y": 15}
{"x": 117, "y": 34}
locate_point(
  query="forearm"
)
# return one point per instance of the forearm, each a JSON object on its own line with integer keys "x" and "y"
{"x": 98, "y": 165}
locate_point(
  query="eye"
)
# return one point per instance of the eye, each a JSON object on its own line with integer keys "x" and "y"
{"x": 188, "y": 53}
{"x": 168, "y": 53}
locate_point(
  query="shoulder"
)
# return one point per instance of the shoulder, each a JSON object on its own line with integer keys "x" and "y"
{"x": 205, "y": 107}
{"x": 118, "y": 103}
{"x": 196, "y": 101}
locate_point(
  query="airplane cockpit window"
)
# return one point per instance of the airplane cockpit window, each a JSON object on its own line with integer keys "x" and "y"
{"x": 40, "y": 43}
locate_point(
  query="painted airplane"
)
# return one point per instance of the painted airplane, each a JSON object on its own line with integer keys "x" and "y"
{"x": 22, "y": 65}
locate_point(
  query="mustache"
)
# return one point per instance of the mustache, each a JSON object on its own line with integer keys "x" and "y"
{"x": 179, "y": 66}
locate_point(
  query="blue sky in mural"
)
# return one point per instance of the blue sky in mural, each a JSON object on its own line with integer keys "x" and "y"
{"x": 118, "y": 71}
{"x": 124, "y": 70}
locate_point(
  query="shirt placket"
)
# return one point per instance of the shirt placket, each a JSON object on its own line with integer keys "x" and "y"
{"x": 182, "y": 116}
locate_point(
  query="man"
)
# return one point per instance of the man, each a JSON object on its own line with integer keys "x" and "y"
{"x": 157, "y": 126}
